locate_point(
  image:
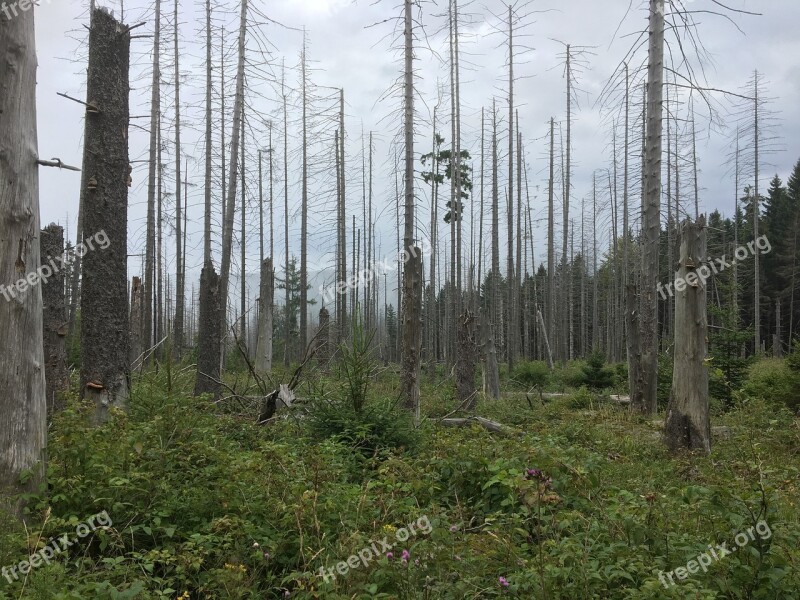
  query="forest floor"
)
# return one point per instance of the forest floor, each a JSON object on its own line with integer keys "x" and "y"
{"x": 584, "y": 502}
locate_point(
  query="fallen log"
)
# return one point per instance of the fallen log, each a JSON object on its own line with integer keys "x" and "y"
{"x": 492, "y": 426}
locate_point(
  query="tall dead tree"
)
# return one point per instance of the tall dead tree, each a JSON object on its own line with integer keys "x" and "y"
{"x": 105, "y": 370}
{"x": 23, "y": 409}
{"x": 412, "y": 272}
{"x": 644, "y": 399}
{"x": 687, "y": 424}
{"x": 152, "y": 173}
{"x": 137, "y": 300}
{"x": 51, "y": 243}
{"x": 177, "y": 330}
{"x": 230, "y": 203}
{"x": 511, "y": 330}
{"x": 304, "y": 204}
{"x": 209, "y": 346}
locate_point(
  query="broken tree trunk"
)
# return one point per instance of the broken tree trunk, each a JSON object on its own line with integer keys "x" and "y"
{"x": 412, "y": 331}
{"x": 136, "y": 323}
{"x": 105, "y": 370}
{"x": 485, "y": 423}
{"x": 491, "y": 368}
{"x": 265, "y": 321}
{"x": 323, "y": 342}
{"x": 54, "y": 307}
{"x": 687, "y": 424}
{"x": 23, "y": 412}
{"x": 466, "y": 394}
{"x": 209, "y": 355}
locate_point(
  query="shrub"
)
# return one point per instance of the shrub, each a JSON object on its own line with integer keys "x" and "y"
{"x": 570, "y": 374}
{"x": 534, "y": 374}
{"x": 773, "y": 379}
{"x": 598, "y": 376}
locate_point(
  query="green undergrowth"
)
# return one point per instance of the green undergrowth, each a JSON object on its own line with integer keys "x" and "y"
{"x": 584, "y": 503}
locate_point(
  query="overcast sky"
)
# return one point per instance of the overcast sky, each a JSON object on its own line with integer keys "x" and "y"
{"x": 349, "y": 52}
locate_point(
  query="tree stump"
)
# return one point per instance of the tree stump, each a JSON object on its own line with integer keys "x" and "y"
{"x": 687, "y": 425}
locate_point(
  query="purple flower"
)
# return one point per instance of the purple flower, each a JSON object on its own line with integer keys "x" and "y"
{"x": 406, "y": 555}
{"x": 503, "y": 581}
{"x": 266, "y": 555}
{"x": 416, "y": 562}
{"x": 533, "y": 473}
{"x": 389, "y": 555}
{"x": 453, "y": 528}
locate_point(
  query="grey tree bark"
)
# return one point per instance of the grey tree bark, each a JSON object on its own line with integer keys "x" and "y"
{"x": 51, "y": 244}
{"x": 137, "y": 298}
{"x": 150, "y": 240}
{"x": 412, "y": 272}
{"x": 645, "y": 401}
{"x": 687, "y": 424}
{"x": 105, "y": 370}
{"x": 230, "y": 203}
{"x": 23, "y": 408}
{"x": 180, "y": 292}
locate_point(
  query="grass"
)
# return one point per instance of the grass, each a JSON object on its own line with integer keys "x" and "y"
{"x": 205, "y": 504}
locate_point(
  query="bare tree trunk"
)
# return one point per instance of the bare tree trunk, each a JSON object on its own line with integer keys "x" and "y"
{"x": 466, "y": 394}
{"x": 304, "y": 209}
{"x": 265, "y": 318}
{"x": 51, "y": 244}
{"x": 180, "y": 292}
{"x": 687, "y": 424}
{"x": 510, "y": 276}
{"x": 756, "y": 220}
{"x": 105, "y": 370}
{"x": 651, "y": 217}
{"x": 287, "y": 339}
{"x": 23, "y": 407}
{"x": 210, "y": 333}
{"x": 551, "y": 254}
{"x": 341, "y": 225}
{"x": 230, "y": 203}
{"x": 412, "y": 279}
{"x": 323, "y": 340}
{"x": 777, "y": 341}
{"x": 153, "y": 171}
{"x": 137, "y": 300}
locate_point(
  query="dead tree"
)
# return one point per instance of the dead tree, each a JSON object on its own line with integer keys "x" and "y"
{"x": 180, "y": 293}
{"x": 209, "y": 332}
{"x": 51, "y": 245}
{"x": 687, "y": 424}
{"x": 230, "y": 203}
{"x": 323, "y": 338}
{"x": 466, "y": 394}
{"x": 645, "y": 399}
{"x": 265, "y": 318}
{"x": 23, "y": 416}
{"x": 412, "y": 272}
{"x": 105, "y": 370}
{"x": 137, "y": 298}
{"x": 150, "y": 240}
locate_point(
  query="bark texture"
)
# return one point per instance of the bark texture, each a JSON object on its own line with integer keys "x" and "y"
{"x": 23, "y": 411}
{"x": 466, "y": 394}
{"x": 137, "y": 298}
{"x": 51, "y": 244}
{"x": 209, "y": 332}
{"x": 687, "y": 425}
{"x": 105, "y": 371}
{"x": 265, "y": 320}
{"x": 645, "y": 399}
